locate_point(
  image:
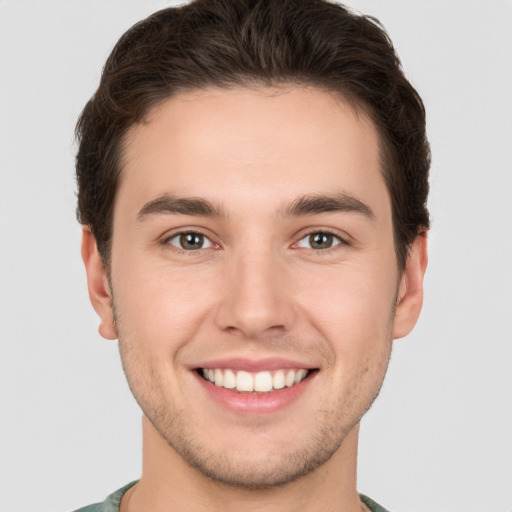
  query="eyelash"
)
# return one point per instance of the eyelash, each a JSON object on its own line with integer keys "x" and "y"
{"x": 340, "y": 241}
{"x": 168, "y": 239}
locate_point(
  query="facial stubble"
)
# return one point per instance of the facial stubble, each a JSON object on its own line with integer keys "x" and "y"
{"x": 233, "y": 468}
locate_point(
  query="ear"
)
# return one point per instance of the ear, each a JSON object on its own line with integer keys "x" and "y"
{"x": 410, "y": 291}
{"x": 97, "y": 283}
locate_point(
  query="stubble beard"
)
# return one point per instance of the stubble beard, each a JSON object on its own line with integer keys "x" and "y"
{"x": 234, "y": 469}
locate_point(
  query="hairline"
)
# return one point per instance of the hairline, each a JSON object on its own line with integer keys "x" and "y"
{"x": 360, "y": 108}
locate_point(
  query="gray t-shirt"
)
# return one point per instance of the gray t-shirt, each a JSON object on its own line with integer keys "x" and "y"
{"x": 111, "y": 504}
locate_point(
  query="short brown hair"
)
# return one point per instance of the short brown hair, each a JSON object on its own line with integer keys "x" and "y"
{"x": 227, "y": 43}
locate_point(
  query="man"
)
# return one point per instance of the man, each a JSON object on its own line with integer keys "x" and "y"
{"x": 252, "y": 182}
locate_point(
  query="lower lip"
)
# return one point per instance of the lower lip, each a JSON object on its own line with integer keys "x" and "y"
{"x": 255, "y": 403}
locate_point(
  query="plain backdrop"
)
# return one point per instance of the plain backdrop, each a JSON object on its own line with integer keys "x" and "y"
{"x": 439, "y": 438}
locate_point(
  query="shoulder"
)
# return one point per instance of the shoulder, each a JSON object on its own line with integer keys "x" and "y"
{"x": 111, "y": 504}
{"x": 372, "y": 505}
{"x": 97, "y": 507}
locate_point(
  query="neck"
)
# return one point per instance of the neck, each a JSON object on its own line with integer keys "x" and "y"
{"x": 169, "y": 483}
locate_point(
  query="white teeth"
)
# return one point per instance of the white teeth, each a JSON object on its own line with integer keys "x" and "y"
{"x": 263, "y": 382}
{"x": 260, "y": 382}
{"x": 290, "y": 378}
{"x": 219, "y": 378}
{"x": 229, "y": 379}
{"x": 300, "y": 375}
{"x": 278, "y": 381}
{"x": 244, "y": 381}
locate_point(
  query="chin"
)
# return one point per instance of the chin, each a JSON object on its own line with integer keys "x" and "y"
{"x": 262, "y": 471}
{"x": 261, "y": 464}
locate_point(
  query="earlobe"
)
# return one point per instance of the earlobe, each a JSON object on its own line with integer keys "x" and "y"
{"x": 410, "y": 291}
{"x": 98, "y": 285}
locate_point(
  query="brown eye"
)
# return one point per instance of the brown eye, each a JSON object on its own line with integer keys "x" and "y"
{"x": 190, "y": 241}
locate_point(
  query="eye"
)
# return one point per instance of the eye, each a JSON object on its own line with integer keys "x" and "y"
{"x": 190, "y": 241}
{"x": 320, "y": 240}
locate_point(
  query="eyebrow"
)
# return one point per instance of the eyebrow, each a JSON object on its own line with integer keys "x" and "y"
{"x": 182, "y": 205}
{"x": 314, "y": 204}
{"x": 310, "y": 204}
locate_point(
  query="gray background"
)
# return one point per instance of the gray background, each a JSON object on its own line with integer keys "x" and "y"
{"x": 439, "y": 437}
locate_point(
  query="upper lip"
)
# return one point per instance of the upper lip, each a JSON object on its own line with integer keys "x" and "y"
{"x": 254, "y": 365}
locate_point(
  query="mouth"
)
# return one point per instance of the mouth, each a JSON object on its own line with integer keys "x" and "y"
{"x": 246, "y": 382}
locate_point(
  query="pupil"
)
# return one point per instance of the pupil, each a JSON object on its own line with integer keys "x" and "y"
{"x": 191, "y": 241}
{"x": 321, "y": 241}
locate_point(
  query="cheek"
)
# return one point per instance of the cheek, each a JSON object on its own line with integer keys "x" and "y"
{"x": 163, "y": 309}
{"x": 353, "y": 312}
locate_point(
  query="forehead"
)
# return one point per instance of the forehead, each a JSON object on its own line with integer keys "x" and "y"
{"x": 239, "y": 144}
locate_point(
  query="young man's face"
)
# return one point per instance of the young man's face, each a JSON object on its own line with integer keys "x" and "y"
{"x": 253, "y": 241}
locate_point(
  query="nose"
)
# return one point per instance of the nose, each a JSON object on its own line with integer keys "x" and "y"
{"x": 257, "y": 297}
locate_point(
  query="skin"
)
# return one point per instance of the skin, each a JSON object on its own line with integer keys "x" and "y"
{"x": 256, "y": 289}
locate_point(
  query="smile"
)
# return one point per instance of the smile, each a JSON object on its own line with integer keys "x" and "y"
{"x": 259, "y": 382}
